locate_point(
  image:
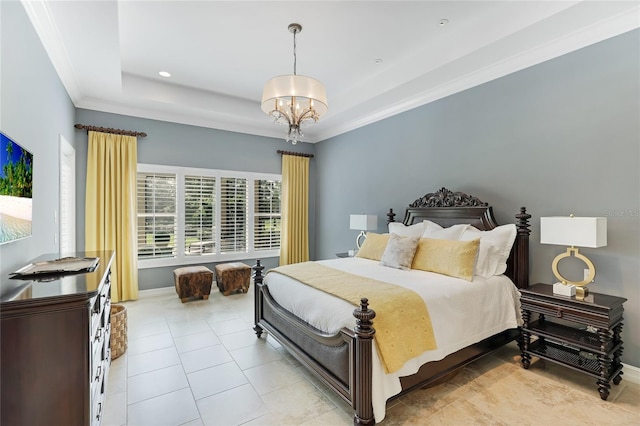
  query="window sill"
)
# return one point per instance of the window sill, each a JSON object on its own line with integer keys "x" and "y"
{"x": 205, "y": 258}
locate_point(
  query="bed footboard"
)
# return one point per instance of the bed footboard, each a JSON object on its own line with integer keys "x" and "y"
{"x": 341, "y": 361}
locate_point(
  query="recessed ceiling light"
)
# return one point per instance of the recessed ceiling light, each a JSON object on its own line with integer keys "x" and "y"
{"x": 165, "y": 74}
{"x": 443, "y": 22}
{"x": 377, "y": 61}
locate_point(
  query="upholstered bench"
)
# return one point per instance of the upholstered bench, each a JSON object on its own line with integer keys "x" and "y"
{"x": 192, "y": 282}
{"x": 233, "y": 276}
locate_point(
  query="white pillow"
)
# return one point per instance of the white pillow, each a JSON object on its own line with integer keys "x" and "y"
{"x": 495, "y": 246}
{"x": 488, "y": 258}
{"x": 403, "y": 230}
{"x": 434, "y": 231}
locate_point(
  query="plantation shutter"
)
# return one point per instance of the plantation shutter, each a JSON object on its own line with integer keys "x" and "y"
{"x": 267, "y": 216}
{"x": 156, "y": 214}
{"x": 199, "y": 215}
{"x": 234, "y": 228}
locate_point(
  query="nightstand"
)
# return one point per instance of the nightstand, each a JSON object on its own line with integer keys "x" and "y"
{"x": 586, "y": 339}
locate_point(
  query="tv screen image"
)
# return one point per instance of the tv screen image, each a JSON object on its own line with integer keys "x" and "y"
{"x": 16, "y": 186}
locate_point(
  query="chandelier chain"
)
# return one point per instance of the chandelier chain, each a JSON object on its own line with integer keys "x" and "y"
{"x": 295, "y": 59}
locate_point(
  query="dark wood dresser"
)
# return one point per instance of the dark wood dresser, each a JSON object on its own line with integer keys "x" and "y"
{"x": 55, "y": 354}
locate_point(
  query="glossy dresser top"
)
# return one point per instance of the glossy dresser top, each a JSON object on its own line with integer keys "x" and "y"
{"x": 82, "y": 284}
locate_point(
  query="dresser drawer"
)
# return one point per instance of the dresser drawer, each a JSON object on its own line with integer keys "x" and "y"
{"x": 97, "y": 367}
{"x": 97, "y": 409}
{"x": 98, "y": 351}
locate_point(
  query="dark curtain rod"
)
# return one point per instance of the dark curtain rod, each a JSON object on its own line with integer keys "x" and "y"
{"x": 297, "y": 154}
{"x": 111, "y": 130}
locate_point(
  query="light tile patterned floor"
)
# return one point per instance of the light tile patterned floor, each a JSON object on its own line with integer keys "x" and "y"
{"x": 200, "y": 363}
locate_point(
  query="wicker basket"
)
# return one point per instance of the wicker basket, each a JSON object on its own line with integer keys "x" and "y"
{"x": 118, "y": 330}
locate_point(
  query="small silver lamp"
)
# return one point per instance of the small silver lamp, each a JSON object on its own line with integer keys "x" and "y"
{"x": 362, "y": 223}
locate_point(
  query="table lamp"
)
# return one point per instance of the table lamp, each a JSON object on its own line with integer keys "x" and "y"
{"x": 573, "y": 232}
{"x": 363, "y": 222}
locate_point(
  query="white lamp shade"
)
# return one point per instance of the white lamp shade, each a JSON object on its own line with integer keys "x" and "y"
{"x": 302, "y": 87}
{"x": 574, "y": 231}
{"x": 363, "y": 222}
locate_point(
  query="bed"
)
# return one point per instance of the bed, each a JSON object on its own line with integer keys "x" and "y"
{"x": 345, "y": 358}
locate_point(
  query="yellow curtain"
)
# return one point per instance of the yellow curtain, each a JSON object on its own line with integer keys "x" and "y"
{"x": 294, "y": 240}
{"x": 110, "y": 210}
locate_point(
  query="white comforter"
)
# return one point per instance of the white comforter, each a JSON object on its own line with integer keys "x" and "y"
{"x": 462, "y": 312}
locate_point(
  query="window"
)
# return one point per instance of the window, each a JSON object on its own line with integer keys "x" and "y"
{"x": 233, "y": 215}
{"x": 156, "y": 214}
{"x": 185, "y": 214}
{"x": 267, "y": 218}
{"x": 199, "y": 214}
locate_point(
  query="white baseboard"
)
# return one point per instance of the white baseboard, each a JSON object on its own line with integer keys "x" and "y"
{"x": 155, "y": 291}
{"x": 631, "y": 373}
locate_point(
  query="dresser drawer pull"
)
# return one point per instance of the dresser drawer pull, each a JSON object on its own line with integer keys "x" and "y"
{"x": 99, "y": 410}
{"x": 99, "y": 371}
{"x": 559, "y": 313}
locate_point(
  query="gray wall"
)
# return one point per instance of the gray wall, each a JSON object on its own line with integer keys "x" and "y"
{"x": 34, "y": 110}
{"x": 561, "y": 137}
{"x": 190, "y": 146}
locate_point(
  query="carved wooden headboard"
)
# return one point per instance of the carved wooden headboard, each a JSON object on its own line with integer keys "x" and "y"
{"x": 447, "y": 208}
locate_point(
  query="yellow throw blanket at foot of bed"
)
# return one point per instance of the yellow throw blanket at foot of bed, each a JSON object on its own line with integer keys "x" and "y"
{"x": 402, "y": 322}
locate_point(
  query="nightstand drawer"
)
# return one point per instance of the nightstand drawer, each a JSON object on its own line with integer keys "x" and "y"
{"x": 568, "y": 313}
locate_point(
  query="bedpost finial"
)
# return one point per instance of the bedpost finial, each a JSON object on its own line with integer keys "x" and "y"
{"x": 257, "y": 272}
{"x": 391, "y": 216}
{"x": 364, "y": 315}
{"x": 523, "y": 221}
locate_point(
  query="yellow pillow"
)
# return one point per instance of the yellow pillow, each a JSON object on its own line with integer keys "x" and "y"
{"x": 373, "y": 246}
{"x": 447, "y": 257}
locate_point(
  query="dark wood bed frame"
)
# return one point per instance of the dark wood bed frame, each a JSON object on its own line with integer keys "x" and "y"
{"x": 343, "y": 361}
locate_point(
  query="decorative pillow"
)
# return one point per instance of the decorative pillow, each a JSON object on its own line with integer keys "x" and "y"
{"x": 399, "y": 252}
{"x": 373, "y": 246}
{"x": 435, "y": 231}
{"x": 403, "y": 230}
{"x": 447, "y": 257}
{"x": 493, "y": 260}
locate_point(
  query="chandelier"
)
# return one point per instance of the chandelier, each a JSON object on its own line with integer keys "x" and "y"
{"x": 294, "y": 99}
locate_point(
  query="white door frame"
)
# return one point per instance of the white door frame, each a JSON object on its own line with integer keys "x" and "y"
{"x": 67, "y": 193}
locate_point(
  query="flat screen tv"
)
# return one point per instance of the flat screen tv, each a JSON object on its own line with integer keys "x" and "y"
{"x": 16, "y": 186}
